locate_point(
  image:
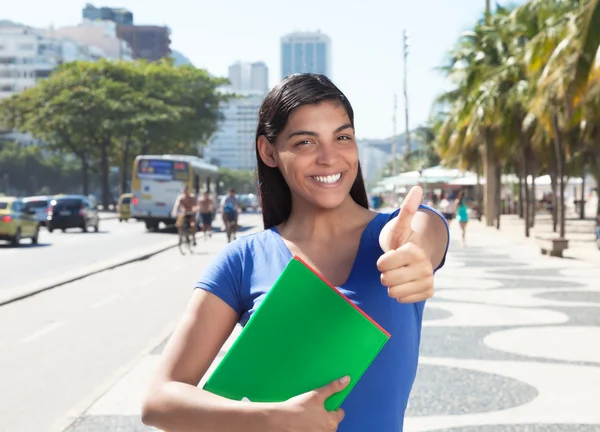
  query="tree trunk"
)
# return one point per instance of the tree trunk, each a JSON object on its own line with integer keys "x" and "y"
{"x": 554, "y": 187}
{"x": 582, "y": 196}
{"x": 532, "y": 171}
{"x": 498, "y": 195}
{"x": 521, "y": 209}
{"x": 479, "y": 196}
{"x": 104, "y": 175}
{"x": 526, "y": 191}
{"x": 85, "y": 175}
{"x": 124, "y": 171}
{"x": 490, "y": 179}
{"x": 558, "y": 149}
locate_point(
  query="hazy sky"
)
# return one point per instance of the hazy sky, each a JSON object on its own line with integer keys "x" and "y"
{"x": 366, "y": 41}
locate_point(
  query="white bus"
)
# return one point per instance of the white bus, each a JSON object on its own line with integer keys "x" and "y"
{"x": 158, "y": 180}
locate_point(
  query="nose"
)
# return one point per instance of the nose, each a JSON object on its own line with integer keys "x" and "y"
{"x": 328, "y": 154}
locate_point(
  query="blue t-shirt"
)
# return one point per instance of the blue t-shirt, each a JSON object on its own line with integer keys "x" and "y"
{"x": 245, "y": 270}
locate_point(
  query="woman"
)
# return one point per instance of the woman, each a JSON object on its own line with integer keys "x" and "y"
{"x": 462, "y": 215}
{"x": 314, "y": 205}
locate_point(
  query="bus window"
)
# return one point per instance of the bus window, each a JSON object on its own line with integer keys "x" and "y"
{"x": 160, "y": 169}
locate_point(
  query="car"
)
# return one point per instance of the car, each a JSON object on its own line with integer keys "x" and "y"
{"x": 124, "y": 207}
{"x": 72, "y": 211}
{"x": 16, "y": 222}
{"x": 40, "y": 205}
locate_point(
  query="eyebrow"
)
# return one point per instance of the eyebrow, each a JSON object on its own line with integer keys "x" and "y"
{"x": 310, "y": 133}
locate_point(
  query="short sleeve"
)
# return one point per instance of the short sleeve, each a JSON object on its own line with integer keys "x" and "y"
{"x": 224, "y": 276}
{"x": 443, "y": 219}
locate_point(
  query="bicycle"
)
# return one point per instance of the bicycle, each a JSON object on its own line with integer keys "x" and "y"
{"x": 184, "y": 231}
{"x": 230, "y": 226}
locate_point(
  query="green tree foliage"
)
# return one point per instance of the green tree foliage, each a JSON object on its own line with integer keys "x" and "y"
{"x": 105, "y": 113}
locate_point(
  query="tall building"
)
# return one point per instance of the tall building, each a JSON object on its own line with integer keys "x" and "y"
{"x": 101, "y": 34}
{"x": 253, "y": 77}
{"x": 305, "y": 52}
{"x": 232, "y": 146}
{"x": 117, "y": 15}
{"x": 28, "y": 54}
{"x": 148, "y": 42}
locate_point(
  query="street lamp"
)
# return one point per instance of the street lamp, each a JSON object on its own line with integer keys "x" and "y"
{"x": 407, "y": 133}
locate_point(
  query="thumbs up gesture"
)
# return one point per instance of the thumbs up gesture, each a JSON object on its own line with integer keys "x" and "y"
{"x": 405, "y": 266}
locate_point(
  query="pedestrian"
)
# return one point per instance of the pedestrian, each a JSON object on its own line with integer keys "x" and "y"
{"x": 462, "y": 216}
{"x": 314, "y": 205}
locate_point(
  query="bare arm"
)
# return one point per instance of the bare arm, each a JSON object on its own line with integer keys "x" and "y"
{"x": 174, "y": 403}
{"x": 433, "y": 231}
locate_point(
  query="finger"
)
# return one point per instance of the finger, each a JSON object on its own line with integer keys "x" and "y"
{"x": 416, "y": 298}
{"x": 404, "y": 255}
{"x": 332, "y": 388}
{"x": 405, "y": 291}
{"x": 402, "y": 227}
{"x": 336, "y": 418}
{"x": 406, "y": 274}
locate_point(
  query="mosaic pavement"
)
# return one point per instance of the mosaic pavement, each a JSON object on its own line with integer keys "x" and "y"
{"x": 511, "y": 343}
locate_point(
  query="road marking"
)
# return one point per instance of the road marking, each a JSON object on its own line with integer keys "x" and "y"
{"x": 111, "y": 298}
{"x": 42, "y": 332}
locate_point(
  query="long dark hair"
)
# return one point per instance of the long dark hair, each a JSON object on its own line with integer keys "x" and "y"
{"x": 292, "y": 92}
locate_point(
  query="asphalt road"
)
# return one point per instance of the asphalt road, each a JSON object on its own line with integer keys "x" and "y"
{"x": 59, "y": 253}
{"x": 59, "y": 347}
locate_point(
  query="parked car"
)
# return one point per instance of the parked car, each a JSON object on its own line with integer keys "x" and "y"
{"x": 72, "y": 211}
{"x": 16, "y": 222}
{"x": 40, "y": 205}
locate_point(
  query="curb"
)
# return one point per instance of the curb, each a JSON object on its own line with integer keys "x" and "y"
{"x": 37, "y": 288}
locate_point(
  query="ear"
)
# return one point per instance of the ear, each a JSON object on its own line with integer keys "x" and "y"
{"x": 266, "y": 150}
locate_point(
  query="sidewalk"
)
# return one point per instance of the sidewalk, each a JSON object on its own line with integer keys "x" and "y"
{"x": 505, "y": 338}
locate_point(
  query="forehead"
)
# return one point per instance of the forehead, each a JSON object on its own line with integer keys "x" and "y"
{"x": 324, "y": 114}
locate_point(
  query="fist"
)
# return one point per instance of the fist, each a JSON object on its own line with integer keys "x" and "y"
{"x": 405, "y": 266}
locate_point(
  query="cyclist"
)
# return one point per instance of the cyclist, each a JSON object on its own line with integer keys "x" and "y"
{"x": 229, "y": 210}
{"x": 206, "y": 210}
{"x": 186, "y": 204}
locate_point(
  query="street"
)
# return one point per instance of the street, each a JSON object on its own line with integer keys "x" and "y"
{"x": 60, "y": 346}
{"x": 59, "y": 252}
{"x": 507, "y": 345}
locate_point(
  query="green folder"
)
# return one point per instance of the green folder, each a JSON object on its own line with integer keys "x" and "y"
{"x": 304, "y": 335}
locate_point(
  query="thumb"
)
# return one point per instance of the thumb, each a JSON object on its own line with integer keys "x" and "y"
{"x": 401, "y": 226}
{"x": 332, "y": 388}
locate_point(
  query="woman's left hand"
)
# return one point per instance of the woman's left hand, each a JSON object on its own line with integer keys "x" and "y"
{"x": 405, "y": 266}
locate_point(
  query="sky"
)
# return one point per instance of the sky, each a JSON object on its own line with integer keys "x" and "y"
{"x": 367, "y": 58}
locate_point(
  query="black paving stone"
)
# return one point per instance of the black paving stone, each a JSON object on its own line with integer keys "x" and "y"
{"x": 526, "y": 428}
{"x": 471, "y": 392}
{"x": 572, "y": 296}
{"x": 109, "y": 424}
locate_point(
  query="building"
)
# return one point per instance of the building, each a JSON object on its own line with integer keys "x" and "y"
{"x": 28, "y": 54}
{"x": 232, "y": 146}
{"x": 253, "y": 77}
{"x": 305, "y": 52}
{"x": 147, "y": 42}
{"x": 100, "y": 34}
{"x": 117, "y": 15}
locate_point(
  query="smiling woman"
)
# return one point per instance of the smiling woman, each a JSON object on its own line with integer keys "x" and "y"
{"x": 315, "y": 207}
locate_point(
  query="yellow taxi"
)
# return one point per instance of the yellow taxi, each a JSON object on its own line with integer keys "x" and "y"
{"x": 124, "y": 207}
{"x": 17, "y": 222}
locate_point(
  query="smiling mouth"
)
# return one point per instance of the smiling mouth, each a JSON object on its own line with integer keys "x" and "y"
{"x": 330, "y": 179}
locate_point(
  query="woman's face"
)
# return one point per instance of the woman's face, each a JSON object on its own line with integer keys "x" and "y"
{"x": 317, "y": 154}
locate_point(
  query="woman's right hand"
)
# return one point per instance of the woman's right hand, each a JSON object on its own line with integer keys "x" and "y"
{"x": 307, "y": 413}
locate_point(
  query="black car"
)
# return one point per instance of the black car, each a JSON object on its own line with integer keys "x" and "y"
{"x": 72, "y": 211}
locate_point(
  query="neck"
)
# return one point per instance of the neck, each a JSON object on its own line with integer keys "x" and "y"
{"x": 306, "y": 222}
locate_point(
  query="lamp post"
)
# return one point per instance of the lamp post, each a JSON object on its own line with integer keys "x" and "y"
{"x": 407, "y": 133}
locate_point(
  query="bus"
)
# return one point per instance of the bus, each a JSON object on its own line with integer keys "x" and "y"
{"x": 158, "y": 180}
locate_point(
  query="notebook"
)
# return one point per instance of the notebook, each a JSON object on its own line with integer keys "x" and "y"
{"x": 304, "y": 335}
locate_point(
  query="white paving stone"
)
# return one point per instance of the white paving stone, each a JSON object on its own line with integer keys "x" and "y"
{"x": 556, "y": 343}
{"x": 479, "y": 315}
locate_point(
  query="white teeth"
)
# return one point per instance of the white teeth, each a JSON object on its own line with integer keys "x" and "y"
{"x": 328, "y": 179}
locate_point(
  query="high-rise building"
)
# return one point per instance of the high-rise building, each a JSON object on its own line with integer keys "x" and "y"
{"x": 148, "y": 42}
{"x": 101, "y": 34}
{"x": 305, "y": 52}
{"x": 232, "y": 146}
{"x": 117, "y": 15}
{"x": 253, "y": 77}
